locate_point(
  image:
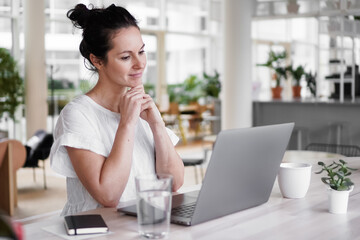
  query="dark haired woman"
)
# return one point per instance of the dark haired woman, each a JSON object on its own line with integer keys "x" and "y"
{"x": 103, "y": 139}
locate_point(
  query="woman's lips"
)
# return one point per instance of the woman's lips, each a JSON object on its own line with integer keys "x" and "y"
{"x": 136, "y": 75}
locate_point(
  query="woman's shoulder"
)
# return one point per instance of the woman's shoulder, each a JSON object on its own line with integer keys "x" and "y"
{"x": 80, "y": 104}
{"x": 86, "y": 104}
{"x": 77, "y": 108}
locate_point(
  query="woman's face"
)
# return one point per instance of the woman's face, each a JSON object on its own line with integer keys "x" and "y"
{"x": 126, "y": 61}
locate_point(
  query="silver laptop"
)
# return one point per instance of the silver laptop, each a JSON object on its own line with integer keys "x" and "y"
{"x": 240, "y": 175}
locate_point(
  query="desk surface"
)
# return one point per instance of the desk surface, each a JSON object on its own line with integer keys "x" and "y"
{"x": 309, "y": 156}
{"x": 279, "y": 218}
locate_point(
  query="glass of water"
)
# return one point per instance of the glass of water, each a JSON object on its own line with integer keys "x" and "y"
{"x": 154, "y": 205}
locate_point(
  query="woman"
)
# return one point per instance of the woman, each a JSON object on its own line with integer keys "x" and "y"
{"x": 103, "y": 139}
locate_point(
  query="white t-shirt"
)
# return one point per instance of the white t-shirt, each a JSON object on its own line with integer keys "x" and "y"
{"x": 86, "y": 125}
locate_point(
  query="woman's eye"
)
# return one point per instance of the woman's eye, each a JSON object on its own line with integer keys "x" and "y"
{"x": 125, "y": 58}
{"x": 142, "y": 52}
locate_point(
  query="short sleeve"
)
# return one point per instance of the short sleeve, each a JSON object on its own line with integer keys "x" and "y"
{"x": 174, "y": 139}
{"x": 74, "y": 128}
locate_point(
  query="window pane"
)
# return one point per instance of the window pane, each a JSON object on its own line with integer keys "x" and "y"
{"x": 274, "y": 30}
{"x": 186, "y": 55}
{"x": 187, "y": 15}
{"x": 59, "y": 27}
{"x": 147, "y": 12}
{"x": 150, "y": 76}
{"x": 5, "y": 33}
{"x": 5, "y": 6}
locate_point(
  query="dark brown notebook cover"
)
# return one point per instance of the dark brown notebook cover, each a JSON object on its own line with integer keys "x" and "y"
{"x": 85, "y": 224}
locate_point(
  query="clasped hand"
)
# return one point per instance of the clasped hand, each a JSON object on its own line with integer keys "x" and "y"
{"x": 136, "y": 103}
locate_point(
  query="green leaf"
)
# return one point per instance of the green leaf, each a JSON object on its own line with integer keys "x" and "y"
{"x": 325, "y": 180}
{"x": 338, "y": 174}
{"x": 319, "y": 171}
{"x": 11, "y": 84}
{"x": 342, "y": 188}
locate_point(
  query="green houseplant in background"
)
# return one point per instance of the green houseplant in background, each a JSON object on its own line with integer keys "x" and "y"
{"x": 11, "y": 85}
{"x": 211, "y": 85}
{"x": 192, "y": 90}
{"x": 296, "y": 73}
{"x": 311, "y": 82}
{"x": 149, "y": 88}
{"x": 212, "y": 88}
{"x": 339, "y": 184}
{"x": 174, "y": 91}
{"x": 276, "y": 62}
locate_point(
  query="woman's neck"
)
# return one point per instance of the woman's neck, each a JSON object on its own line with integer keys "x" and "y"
{"x": 107, "y": 98}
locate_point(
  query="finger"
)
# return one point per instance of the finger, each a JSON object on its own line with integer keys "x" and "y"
{"x": 139, "y": 88}
{"x": 147, "y": 96}
{"x": 146, "y": 105}
{"x": 134, "y": 96}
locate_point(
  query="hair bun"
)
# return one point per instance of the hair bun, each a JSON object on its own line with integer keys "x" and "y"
{"x": 79, "y": 15}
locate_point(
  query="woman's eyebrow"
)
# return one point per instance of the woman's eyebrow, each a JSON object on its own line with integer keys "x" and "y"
{"x": 129, "y": 51}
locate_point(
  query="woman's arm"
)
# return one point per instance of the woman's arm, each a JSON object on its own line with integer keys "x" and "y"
{"x": 167, "y": 159}
{"x": 105, "y": 178}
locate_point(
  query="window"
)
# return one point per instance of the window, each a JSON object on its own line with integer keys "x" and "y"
{"x": 299, "y": 37}
{"x": 186, "y": 55}
{"x": 5, "y": 33}
{"x": 181, "y": 37}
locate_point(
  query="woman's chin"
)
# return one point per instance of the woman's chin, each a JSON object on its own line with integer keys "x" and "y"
{"x": 135, "y": 84}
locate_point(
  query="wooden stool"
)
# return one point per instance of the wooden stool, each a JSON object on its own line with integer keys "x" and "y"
{"x": 12, "y": 157}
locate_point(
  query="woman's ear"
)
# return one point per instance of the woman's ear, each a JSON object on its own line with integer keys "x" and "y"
{"x": 96, "y": 61}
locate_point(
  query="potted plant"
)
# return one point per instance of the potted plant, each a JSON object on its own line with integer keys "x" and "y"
{"x": 212, "y": 85}
{"x": 311, "y": 82}
{"x": 174, "y": 91}
{"x": 292, "y": 6}
{"x": 192, "y": 90}
{"x": 339, "y": 184}
{"x": 297, "y": 73}
{"x": 11, "y": 85}
{"x": 275, "y": 62}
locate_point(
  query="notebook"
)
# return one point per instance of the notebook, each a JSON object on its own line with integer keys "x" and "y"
{"x": 240, "y": 175}
{"x": 85, "y": 224}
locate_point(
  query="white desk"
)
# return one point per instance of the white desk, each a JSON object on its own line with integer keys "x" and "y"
{"x": 279, "y": 218}
{"x": 309, "y": 156}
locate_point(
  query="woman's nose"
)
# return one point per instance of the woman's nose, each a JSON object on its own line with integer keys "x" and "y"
{"x": 140, "y": 62}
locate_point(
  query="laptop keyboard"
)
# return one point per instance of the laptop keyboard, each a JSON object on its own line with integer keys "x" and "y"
{"x": 184, "y": 210}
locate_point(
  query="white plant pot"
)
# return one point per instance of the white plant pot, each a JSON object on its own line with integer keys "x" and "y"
{"x": 338, "y": 200}
{"x": 294, "y": 179}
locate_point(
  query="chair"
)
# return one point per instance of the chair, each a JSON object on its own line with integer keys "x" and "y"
{"x": 38, "y": 148}
{"x": 196, "y": 162}
{"x": 301, "y": 137}
{"x": 172, "y": 118}
{"x": 346, "y": 150}
{"x": 338, "y": 133}
{"x": 12, "y": 157}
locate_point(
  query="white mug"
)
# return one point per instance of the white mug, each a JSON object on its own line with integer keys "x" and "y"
{"x": 294, "y": 179}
